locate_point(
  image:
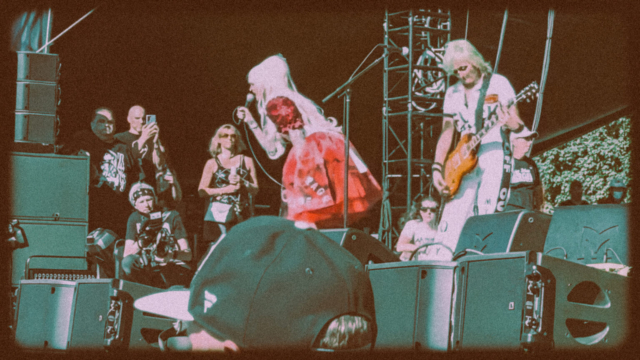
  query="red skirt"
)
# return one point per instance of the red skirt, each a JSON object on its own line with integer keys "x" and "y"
{"x": 313, "y": 178}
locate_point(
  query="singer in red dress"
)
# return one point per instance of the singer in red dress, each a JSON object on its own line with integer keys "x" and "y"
{"x": 313, "y": 174}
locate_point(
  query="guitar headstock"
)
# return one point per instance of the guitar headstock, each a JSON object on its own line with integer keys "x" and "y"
{"x": 528, "y": 93}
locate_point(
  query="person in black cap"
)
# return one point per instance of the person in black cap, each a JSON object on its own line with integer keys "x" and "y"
{"x": 617, "y": 191}
{"x": 270, "y": 285}
{"x": 525, "y": 190}
{"x": 156, "y": 249}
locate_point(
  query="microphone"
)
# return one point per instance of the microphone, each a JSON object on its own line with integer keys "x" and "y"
{"x": 250, "y": 98}
{"x": 400, "y": 50}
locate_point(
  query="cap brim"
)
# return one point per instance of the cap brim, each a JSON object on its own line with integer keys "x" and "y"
{"x": 172, "y": 304}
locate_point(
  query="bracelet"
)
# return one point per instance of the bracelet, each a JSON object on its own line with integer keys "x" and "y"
{"x": 436, "y": 167}
{"x": 253, "y": 125}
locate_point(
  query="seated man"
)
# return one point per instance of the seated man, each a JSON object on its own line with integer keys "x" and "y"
{"x": 156, "y": 248}
{"x": 267, "y": 284}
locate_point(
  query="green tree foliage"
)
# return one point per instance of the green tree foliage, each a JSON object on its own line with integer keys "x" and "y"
{"x": 594, "y": 159}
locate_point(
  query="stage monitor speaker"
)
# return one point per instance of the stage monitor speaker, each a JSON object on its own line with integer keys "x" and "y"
{"x": 527, "y": 300}
{"x": 36, "y": 128}
{"x": 85, "y": 315}
{"x": 592, "y": 307}
{"x": 34, "y": 66}
{"x": 413, "y": 302}
{"x": 364, "y": 247}
{"x": 590, "y": 234}
{"x": 509, "y": 231}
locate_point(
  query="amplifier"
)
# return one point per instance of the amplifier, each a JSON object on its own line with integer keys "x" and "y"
{"x": 84, "y": 315}
{"x": 50, "y": 238}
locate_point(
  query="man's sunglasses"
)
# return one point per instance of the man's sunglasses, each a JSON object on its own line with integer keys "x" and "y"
{"x": 429, "y": 209}
{"x": 232, "y": 136}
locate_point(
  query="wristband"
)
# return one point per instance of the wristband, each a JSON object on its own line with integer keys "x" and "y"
{"x": 253, "y": 125}
{"x": 436, "y": 167}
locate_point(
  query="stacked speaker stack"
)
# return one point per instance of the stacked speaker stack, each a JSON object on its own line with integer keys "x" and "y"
{"x": 37, "y": 100}
{"x": 523, "y": 280}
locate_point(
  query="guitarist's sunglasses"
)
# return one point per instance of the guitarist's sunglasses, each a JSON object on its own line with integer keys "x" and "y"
{"x": 433, "y": 210}
{"x": 461, "y": 68}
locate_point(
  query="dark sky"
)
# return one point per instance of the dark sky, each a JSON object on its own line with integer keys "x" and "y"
{"x": 187, "y": 62}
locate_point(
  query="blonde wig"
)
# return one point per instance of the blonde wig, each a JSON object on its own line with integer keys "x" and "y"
{"x": 273, "y": 76}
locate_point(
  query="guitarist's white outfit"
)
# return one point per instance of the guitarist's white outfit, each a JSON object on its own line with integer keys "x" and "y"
{"x": 486, "y": 181}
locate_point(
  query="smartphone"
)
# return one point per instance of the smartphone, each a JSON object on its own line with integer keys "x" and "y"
{"x": 151, "y": 119}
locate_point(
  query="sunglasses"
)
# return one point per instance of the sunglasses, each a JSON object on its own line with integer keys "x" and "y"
{"x": 231, "y": 136}
{"x": 429, "y": 209}
{"x": 461, "y": 68}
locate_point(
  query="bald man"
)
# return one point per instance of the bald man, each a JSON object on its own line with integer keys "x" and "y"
{"x": 142, "y": 139}
{"x": 144, "y": 143}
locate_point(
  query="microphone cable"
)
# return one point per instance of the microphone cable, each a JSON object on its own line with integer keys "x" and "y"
{"x": 255, "y": 158}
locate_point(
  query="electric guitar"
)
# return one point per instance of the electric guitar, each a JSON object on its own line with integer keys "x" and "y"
{"x": 463, "y": 159}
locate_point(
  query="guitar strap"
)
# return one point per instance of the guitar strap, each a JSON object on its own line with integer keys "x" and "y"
{"x": 479, "y": 108}
{"x": 480, "y": 119}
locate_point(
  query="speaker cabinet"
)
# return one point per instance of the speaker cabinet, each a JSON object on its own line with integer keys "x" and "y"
{"x": 413, "y": 302}
{"x": 49, "y": 187}
{"x": 36, "y": 97}
{"x": 590, "y": 234}
{"x": 85, "y": 315}
{"x": 592, "y": 307}
{"x": 503, "y": 302}
{"x": 38, "y": 128}
{"x": 529, "y": 300}
{"x": 510, "y": 231}
{"x": 364, "y": 247}
{"x": 34, "y": 66}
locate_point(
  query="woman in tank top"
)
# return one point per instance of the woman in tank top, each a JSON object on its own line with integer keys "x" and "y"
{"x": 227, "y": 181}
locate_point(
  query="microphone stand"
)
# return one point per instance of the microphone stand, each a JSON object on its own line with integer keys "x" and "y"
{"x": 345, "y": 89}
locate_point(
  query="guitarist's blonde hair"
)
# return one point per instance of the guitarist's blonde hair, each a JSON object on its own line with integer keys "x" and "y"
{"x": 463, "y": 50}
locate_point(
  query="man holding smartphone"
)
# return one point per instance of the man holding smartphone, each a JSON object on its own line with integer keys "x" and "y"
{"x": 142, "y": 139}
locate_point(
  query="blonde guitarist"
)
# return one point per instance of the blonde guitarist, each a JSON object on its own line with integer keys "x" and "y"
{"x": 477, "y": 97}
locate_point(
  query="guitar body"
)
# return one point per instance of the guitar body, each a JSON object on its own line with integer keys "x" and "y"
{"x": 459, "y": 163}
{"x": 463, "y": 159}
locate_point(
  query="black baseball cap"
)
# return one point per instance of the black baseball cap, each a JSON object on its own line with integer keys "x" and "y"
{"x": 270, "y": 285}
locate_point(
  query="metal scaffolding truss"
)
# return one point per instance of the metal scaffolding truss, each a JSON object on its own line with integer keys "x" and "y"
{"x": 414, "y": 88}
